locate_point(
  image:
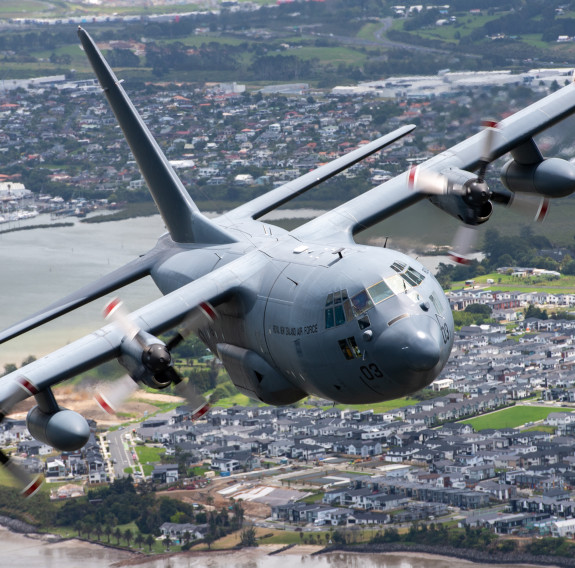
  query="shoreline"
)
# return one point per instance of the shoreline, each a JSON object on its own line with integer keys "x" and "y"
{"x": 468, "y": 555}
{"x": 259, "y": 554}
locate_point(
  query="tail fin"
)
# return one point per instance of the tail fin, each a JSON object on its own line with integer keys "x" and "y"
{"x": 182, "y": 217}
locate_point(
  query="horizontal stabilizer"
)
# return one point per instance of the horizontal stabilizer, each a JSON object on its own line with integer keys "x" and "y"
{"x": 259, "y": 206}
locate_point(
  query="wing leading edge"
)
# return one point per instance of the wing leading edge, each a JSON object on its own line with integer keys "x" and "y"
{"x": 104, "y": 344}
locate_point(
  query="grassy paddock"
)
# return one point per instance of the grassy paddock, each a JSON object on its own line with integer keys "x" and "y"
{"x": 512, "y": 417}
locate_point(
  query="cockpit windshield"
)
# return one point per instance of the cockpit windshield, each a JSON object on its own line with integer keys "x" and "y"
{"x": 339, "y": 308}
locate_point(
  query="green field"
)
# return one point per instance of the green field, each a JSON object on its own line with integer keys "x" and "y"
{"x": 564, "y": 285}
{"x": 512, "y": 417}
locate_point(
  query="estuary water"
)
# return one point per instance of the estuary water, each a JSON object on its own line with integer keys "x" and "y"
{"x": 19, "y": 551}
{"x": 40, "y": 266}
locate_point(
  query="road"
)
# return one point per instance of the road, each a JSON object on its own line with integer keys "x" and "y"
{"x": 120, "y": 452}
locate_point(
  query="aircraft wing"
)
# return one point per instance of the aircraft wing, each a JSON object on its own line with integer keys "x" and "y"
{"x": 105, "y": 344}
{"x": 135, "y": 270}
{"x": 514, "y": 134}
{"x": 259, "y": 206}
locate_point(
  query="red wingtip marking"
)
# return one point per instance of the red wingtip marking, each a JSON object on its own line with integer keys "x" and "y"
{"x": 103, "y": 403}
{"x": 29, "y": 490}
{"x": 489, "y": 123}
{"x": 112, "y": 305}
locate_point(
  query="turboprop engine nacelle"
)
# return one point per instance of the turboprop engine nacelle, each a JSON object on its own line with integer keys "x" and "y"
{"x": 64, "y": 429}
{"x": 464, "y": 199}
{"x": 553, "y": 177}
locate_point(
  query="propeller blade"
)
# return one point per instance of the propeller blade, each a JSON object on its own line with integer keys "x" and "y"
{"x": 196, "y": 401}
{"x": 27, "y": 483}
{"x": 531, "y": 205}
{"x": 486, "y": 157}
{"x": 204, "y": 313}
{"x": 116, "y": 312}
{"x": 427, "y": 181}
{"x": 114, "y": 394}
{"x": 464, "y": 243}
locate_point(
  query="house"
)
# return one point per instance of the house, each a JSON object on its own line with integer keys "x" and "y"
{"x": 165, "y": 473}
{"x": 179, "y": 531}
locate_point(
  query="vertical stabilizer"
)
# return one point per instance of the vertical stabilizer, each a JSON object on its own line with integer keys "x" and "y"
{"x": 180, "y": 214}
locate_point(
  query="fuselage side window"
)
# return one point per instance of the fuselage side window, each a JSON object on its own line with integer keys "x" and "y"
{"x": 339, "y": 315}
{"x": 329, "y": 321}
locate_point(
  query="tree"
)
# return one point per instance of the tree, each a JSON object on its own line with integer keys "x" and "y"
{"x": 149, "y": 542}
{"x": 139, "y": 540}
{"x": 108, "y": 532}
{"x": 9, "y": 368}
{"x": 248, "y": 537}
{"x": 118, "y": 535}
{"x": 128, "y": 536}
{"x": 167, "y": 542}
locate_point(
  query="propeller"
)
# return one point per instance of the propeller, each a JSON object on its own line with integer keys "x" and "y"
{"x": 476, "y": 196}
{"x": 149, "y": 360}
{"x": 28, "y": 484}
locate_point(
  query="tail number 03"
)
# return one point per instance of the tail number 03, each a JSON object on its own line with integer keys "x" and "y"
{"x": 371, "y": 371}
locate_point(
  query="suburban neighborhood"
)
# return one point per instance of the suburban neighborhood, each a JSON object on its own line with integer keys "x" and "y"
{"x": 489, "y": 444}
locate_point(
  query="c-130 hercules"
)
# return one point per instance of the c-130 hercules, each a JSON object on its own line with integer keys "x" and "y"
{"x": 289, "y": 313}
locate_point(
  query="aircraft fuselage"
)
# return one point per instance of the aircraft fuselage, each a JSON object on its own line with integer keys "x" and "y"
{"x": 350, "y": 323}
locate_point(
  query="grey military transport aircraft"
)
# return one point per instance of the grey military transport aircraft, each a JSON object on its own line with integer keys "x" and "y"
{"x": 289, "y": 313}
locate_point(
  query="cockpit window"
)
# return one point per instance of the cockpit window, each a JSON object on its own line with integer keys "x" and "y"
{"x": 329, "y": 320}
{"x": 412, "y": 276}
{"x": 379, "y": 292}
{"x": 339, "y": 315}
{"x": 361, "y": 303}
{"x": 397, "y": 284}
{"x": 398, "y": 266}
{"x": 338, "y": 309}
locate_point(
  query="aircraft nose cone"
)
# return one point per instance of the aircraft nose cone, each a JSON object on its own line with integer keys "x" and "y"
{"x": 410, "y": 350}
{"x": 421, "y": 352}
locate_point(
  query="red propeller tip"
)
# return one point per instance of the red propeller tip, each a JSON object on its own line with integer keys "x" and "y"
{"x": 111, "y": 307}
{"x": 208, "y": 311}
{"x": 411, "y": 176}
{"x": 200, "y": 412}
{"x": 459, "y": 259}
{"x": 33, "y": 487}
{"x": 103, "y": 403}
{"x": 542, "y": 211}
